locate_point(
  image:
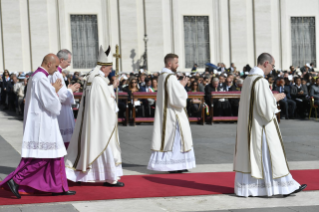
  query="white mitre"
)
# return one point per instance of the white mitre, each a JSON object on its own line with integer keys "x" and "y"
{"x": 104, "y": 59}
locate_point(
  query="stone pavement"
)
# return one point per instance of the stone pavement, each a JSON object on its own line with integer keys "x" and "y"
{"x": 214, "y": 146}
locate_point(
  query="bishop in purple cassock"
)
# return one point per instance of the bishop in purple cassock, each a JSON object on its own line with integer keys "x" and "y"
{"x": 41, "y": 168}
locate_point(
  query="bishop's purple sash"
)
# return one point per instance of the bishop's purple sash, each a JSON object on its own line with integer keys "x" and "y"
{"x": 40, "y": 70}
{"x": 60, "y": 69}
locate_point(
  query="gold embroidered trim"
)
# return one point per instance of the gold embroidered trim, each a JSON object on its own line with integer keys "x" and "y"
{"x": 236, "y": 142}
{"x": 242, "y": 172}
{"x": 81, "y": 127}
{"x": 105, "y": 146}
{"x": 104, "y": 64}
{"x": 165, "y": 111}
{"x": 261, "y": 149}
{"x": 251, "y": 110}
{"x": 281, "y": 142}
{"x": 182, "y": 136}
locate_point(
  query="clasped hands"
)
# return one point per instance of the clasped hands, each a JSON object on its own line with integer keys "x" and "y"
{"x": 58, "y": 85}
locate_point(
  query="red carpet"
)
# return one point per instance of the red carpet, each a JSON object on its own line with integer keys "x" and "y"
{"x": 158, "y": 185}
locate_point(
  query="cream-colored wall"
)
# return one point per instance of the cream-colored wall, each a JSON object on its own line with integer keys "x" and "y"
{"x": 223, "y": 29}
{"x": 131, "y": 13}
{"x": 242, "y": 39}
{"x": 155, "y": 32}
{"x": 1, "y": 47}
{"x": 26, "y": 56}
{"x": 40, "y": 35}
{"x": 12, "y": 36}
{"x": 50, "y": 29}
{"x": 267, "y": 29}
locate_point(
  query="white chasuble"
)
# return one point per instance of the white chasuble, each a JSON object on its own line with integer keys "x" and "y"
{"x": 41, "y": 134}
{"x": 95, "y": 141}
{"x": 257, "y": 116}
{"x": 170, "y": 109}
{"x": 66, "y": 117}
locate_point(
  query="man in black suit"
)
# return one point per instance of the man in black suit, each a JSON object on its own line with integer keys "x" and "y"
{"x": 299, "y": 93}
{"x": 141, "y": 83}
{"x": 287, "y": 104}
{"x": 228, "y": 83}
{"x": 235, "y": 102}
{"x": 221, "y": 85}
{"x": 222, "y": 107}
{"x": 311, "y": 69}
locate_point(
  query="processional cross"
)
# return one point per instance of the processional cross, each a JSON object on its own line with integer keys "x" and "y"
{"x": 117, "y": 57}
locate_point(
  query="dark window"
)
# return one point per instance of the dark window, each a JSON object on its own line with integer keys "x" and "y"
{"x": 196, "y": 34}
{"x": 303, "y": 40}
{"x": 85, "y": 42}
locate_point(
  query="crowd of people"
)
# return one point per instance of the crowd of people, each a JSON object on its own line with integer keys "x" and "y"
{"x": 300, "y": 86}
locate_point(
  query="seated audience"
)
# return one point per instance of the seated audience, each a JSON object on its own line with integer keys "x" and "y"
{"x": 314, "y": 91}
{"x": 299, "y": 93}
{"x": 287, "y": 105}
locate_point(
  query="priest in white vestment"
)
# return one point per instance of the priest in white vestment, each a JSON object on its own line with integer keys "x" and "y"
{"x": 66, "y": 117}
{"x": 260, "y": 162}
{"x": 172, "y": 142}
{"x": 94, "y": 153}
{"x": 41, "y": 168}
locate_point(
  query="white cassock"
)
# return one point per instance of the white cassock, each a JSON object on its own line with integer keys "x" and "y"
{"x": 41, "y": 134}
{"x": 66, "y": 117}
{"x": 172, "y": 142}
{"x": 260, "y": 161}
{"x": 94, "y": 153}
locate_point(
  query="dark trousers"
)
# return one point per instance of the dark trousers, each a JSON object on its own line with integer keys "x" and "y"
{"x": 288, "y": 106}
{"x": 302, "y": 108}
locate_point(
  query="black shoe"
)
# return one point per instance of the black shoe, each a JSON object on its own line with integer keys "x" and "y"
{"x": 184, "y": 170}
{"x": 173, "y": 172}
{"x": 118, "y": 184}
{"x": 302, "y": 187}
{"x": 14, "y": 188}
{"x": 78, "y": 182}
{"x": 64, "y": 193}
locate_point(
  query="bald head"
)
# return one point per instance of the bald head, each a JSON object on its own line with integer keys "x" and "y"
{"x": 50, "y": 63}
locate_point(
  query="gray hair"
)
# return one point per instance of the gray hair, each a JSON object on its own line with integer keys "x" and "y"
{"x": 239, "y": 81}
{"x": 263, "y": 58}
{"x": 215, "y": 79}
{"x": 63, "y": 54}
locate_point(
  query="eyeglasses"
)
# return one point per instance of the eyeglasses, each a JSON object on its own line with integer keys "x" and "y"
{"x": 134, "y": 82}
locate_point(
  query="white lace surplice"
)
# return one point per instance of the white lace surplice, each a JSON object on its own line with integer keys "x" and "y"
{"x": 174, "y": 160}
{"x": 246, "y": 185}
{"x": 66, "y": 117}
{"x": 102, "y": 170}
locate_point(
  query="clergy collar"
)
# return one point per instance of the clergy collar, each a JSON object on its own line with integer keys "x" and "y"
{"x": 60, "y": 69}
{"x": 101, "y": 73}
{"x": 43, "y": 70}
{"x": 166, "y": 70}
{"x": 256, "y": 70}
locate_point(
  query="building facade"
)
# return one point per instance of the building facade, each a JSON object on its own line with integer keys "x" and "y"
{"x": 199, "y": 31}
